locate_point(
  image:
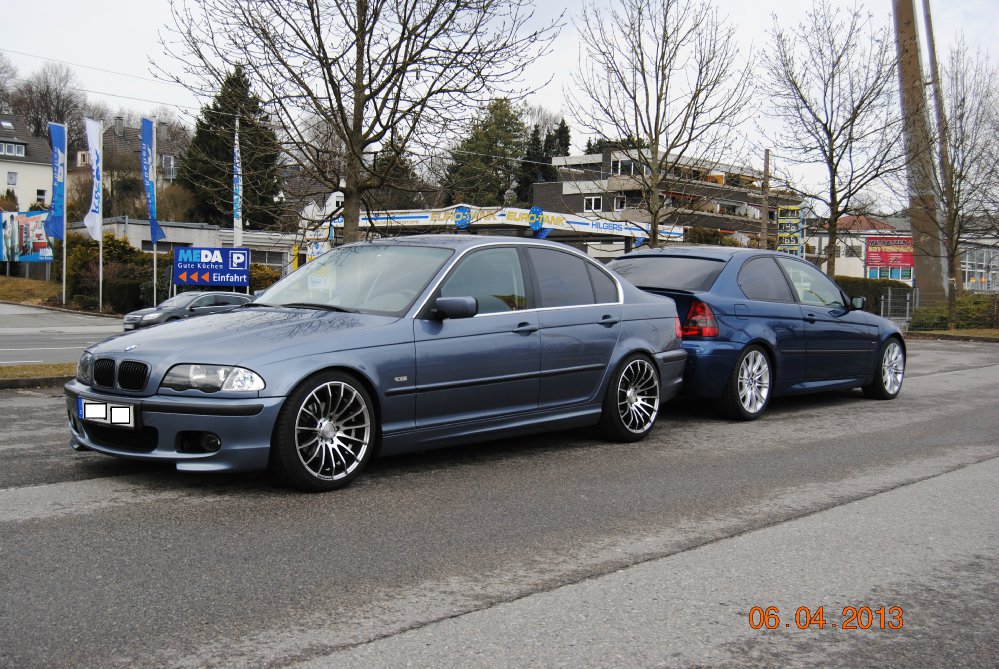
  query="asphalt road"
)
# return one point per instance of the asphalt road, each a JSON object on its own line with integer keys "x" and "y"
{"x": 30, "y": 335}
{"x": 559, "y": 550}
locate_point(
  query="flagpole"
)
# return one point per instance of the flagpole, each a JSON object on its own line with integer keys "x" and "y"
{"x": 152, "y": 177}
{"x": 100, "y": 226}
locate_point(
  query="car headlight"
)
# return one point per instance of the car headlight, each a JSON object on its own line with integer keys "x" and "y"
{"x": 85, "y": 369}
{"x": 151, "y": 317}
{"x": 211, "y": 378}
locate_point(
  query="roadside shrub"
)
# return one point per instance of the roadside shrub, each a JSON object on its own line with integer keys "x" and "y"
{"x": 124, "y": 296}
{"x": 873, "y": 289}
{"x": 974, "y": 310}
{"x": 262, "y": 276}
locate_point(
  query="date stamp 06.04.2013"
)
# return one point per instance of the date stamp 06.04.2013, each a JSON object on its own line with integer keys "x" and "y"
{"x": 851, "y": 618}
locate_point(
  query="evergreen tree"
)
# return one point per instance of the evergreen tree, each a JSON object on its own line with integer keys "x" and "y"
{"x": 487, "y": 162}
{"x": 531, "y": 169}
{"x": 207, "y": 167}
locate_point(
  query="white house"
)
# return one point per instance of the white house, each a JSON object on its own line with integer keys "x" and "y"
{"x": 25, "y": 163}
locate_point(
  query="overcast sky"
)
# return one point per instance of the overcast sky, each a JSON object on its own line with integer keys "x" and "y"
{"x": 121, "y": 36}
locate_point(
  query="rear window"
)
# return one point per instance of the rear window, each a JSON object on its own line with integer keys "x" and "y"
{"x": 669, "y": 272}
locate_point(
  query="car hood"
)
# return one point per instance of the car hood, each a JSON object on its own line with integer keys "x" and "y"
{"x": 147, "y": 310}
{"x": 265, "y": 335}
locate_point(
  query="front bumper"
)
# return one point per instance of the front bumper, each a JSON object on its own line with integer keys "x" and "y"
{"x": 163, "y": 425}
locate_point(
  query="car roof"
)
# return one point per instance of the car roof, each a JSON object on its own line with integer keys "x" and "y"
{"x": 462, "y": 242}
{"x": 702, "y": 251}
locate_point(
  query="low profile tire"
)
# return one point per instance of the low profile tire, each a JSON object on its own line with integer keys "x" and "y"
{"x": 325, "y": 433}
{"x": 890, "y": 373}
{"x": 631, "y": 404}
{"x": 747, "y": 392}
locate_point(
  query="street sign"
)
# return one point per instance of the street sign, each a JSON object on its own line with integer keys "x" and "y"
{"x": 211, "y": 266}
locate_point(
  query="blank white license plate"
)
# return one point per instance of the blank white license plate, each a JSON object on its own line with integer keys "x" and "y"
{"x": 109, "y": 413}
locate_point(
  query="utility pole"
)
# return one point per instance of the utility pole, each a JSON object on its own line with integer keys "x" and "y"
{"x": 765, "y": 207}
{"x": 930, "y": 277}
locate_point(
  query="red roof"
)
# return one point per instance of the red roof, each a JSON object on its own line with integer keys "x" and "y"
{"x": 858, "y": 223}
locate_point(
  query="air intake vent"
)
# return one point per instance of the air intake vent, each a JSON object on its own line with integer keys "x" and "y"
{"x": 104, "y": 373}
{"x": 132, "y": 375}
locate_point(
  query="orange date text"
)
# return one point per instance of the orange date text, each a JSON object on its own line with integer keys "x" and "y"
{"x": 803, "y": 618}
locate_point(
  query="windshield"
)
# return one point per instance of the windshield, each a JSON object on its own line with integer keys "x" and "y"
{"x": 379, "y": 278}
{"x": 669, "y": 272}
{"x": 179, "y": 300}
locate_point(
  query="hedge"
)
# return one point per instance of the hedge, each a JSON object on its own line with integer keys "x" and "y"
{"x": 873, "y": 289}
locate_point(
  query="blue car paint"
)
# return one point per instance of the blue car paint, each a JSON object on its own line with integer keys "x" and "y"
{"x": 811, "y": 349}
{"x": 506, "y": 385}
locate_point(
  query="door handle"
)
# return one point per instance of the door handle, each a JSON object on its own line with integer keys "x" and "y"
{"x": 609, "y": 320}
{"x": 526, "y": 328}
{"x": 809, "y": 318}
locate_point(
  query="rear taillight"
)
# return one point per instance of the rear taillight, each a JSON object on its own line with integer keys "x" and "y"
{"x": 678, "y": 327}
{"x": 700, "y": 321}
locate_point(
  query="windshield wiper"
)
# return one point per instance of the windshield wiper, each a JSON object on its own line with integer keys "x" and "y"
{"x": 246, "y": 305}
{"x": 317, "y": 305}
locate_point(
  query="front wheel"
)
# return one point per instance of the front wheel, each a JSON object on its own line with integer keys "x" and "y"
{"x": 631, "y": 404}
{"x": 325, "y": 433}
{"x": 747, "y": 392}
{"x": 888, "y": 377}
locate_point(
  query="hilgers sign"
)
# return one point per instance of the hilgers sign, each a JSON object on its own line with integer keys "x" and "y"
{"x": 211, "y": 267}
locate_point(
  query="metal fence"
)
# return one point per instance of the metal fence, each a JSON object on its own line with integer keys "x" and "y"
{"x": 897, "y": 306}
{"x": 975, "y": 310}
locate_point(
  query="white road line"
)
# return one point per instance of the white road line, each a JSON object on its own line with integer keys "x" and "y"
{"x": 18, "y": 362}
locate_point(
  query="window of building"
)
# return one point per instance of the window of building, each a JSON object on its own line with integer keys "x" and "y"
{"x": 19, "y": 148}
{"x": 10, "y": 149}
{"x": 40, "y": 195}
{"x": 593, "y": 203}
{"x": 11, "y": 178}
{"x": 6, "y": 125}
{"x": 82, "y": 158}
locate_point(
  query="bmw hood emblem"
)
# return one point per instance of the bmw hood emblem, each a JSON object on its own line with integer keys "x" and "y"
{"x": 131, "y": 347}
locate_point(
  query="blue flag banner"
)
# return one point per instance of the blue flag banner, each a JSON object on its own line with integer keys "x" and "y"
{"x": 237, "y": 189}
{"x": 56, "y": 221}
{"x": 149, "y": 177}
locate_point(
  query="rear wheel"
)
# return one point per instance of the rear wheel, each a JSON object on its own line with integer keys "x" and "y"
{"x": 631, "y": 404}
{"x": 747, "y": 392}
{"x": 325, "y": 433}
{"x": 888, "y": 377}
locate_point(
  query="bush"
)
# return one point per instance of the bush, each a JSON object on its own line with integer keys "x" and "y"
{"x": 124, "y": 296}
{"x": 974, "y": 310}
{"x": 873, "y": 289}
{"x": 262, "y": 276}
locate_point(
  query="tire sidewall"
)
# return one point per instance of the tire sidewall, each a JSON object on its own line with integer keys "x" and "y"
{"x": 284, "y": 458}
{"x": 730, "y": 403}
{"x": 610, "y": 419}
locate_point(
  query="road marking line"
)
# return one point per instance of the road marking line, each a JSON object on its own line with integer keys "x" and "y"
{"x": 19, "y": 362}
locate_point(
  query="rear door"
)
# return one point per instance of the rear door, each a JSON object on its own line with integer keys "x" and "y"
{"x": 580, "y": 315}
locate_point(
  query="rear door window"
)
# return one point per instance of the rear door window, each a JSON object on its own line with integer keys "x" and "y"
{"x": 761, "y": 279}
{"x": 563, "y": 279}
{"x": 669, "y": 272}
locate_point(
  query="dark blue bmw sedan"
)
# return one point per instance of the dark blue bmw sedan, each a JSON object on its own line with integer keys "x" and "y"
{"x": 757, "y": 324}
{"x": 386, "y": 347}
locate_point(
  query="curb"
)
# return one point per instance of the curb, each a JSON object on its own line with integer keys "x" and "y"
{"x": 950, "y": 337}
{"x": 41, "y": 382}
{"x": 62, "y": 309}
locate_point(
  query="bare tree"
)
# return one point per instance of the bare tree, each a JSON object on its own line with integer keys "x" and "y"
{"x": 665, "y": 76}
{"x": 965, "y": 178}
{"x": 8, "y": 76}
{"x": 382, "y": 75}
{"x": 51, "y": 94}
{"x": 831, "y": 81}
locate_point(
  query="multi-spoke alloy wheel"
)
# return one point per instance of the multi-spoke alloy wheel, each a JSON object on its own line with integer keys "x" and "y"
{"x": 632, "y": 402}
{"x": 326, "y": 433}
{"x": 888, "y": 378}
{"x": 747, "y": 392}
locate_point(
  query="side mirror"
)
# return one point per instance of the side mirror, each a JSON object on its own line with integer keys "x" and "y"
{"x": 455, "y": 307}
{"x": 858, "y": 303}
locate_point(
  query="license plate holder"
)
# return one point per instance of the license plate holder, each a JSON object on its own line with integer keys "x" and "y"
{"x": 115, "y": 414}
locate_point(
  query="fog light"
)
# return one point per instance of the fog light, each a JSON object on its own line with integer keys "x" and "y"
{"x": 210, "y": 442}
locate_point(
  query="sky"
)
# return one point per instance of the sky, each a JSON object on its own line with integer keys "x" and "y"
{"x": 116, "y": 67}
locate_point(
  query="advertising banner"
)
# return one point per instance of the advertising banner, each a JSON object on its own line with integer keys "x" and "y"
{"x": 889, "y": 252}
{"x": 789, "y": 230}
{"x": 94, "y": 218}
{"x": 57, "y": 211}
{"x": 149, "y": 177}
{"x": 24, "y": 238}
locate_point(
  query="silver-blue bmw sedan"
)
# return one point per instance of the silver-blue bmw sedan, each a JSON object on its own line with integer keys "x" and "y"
{"x": 382, "y": 348}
